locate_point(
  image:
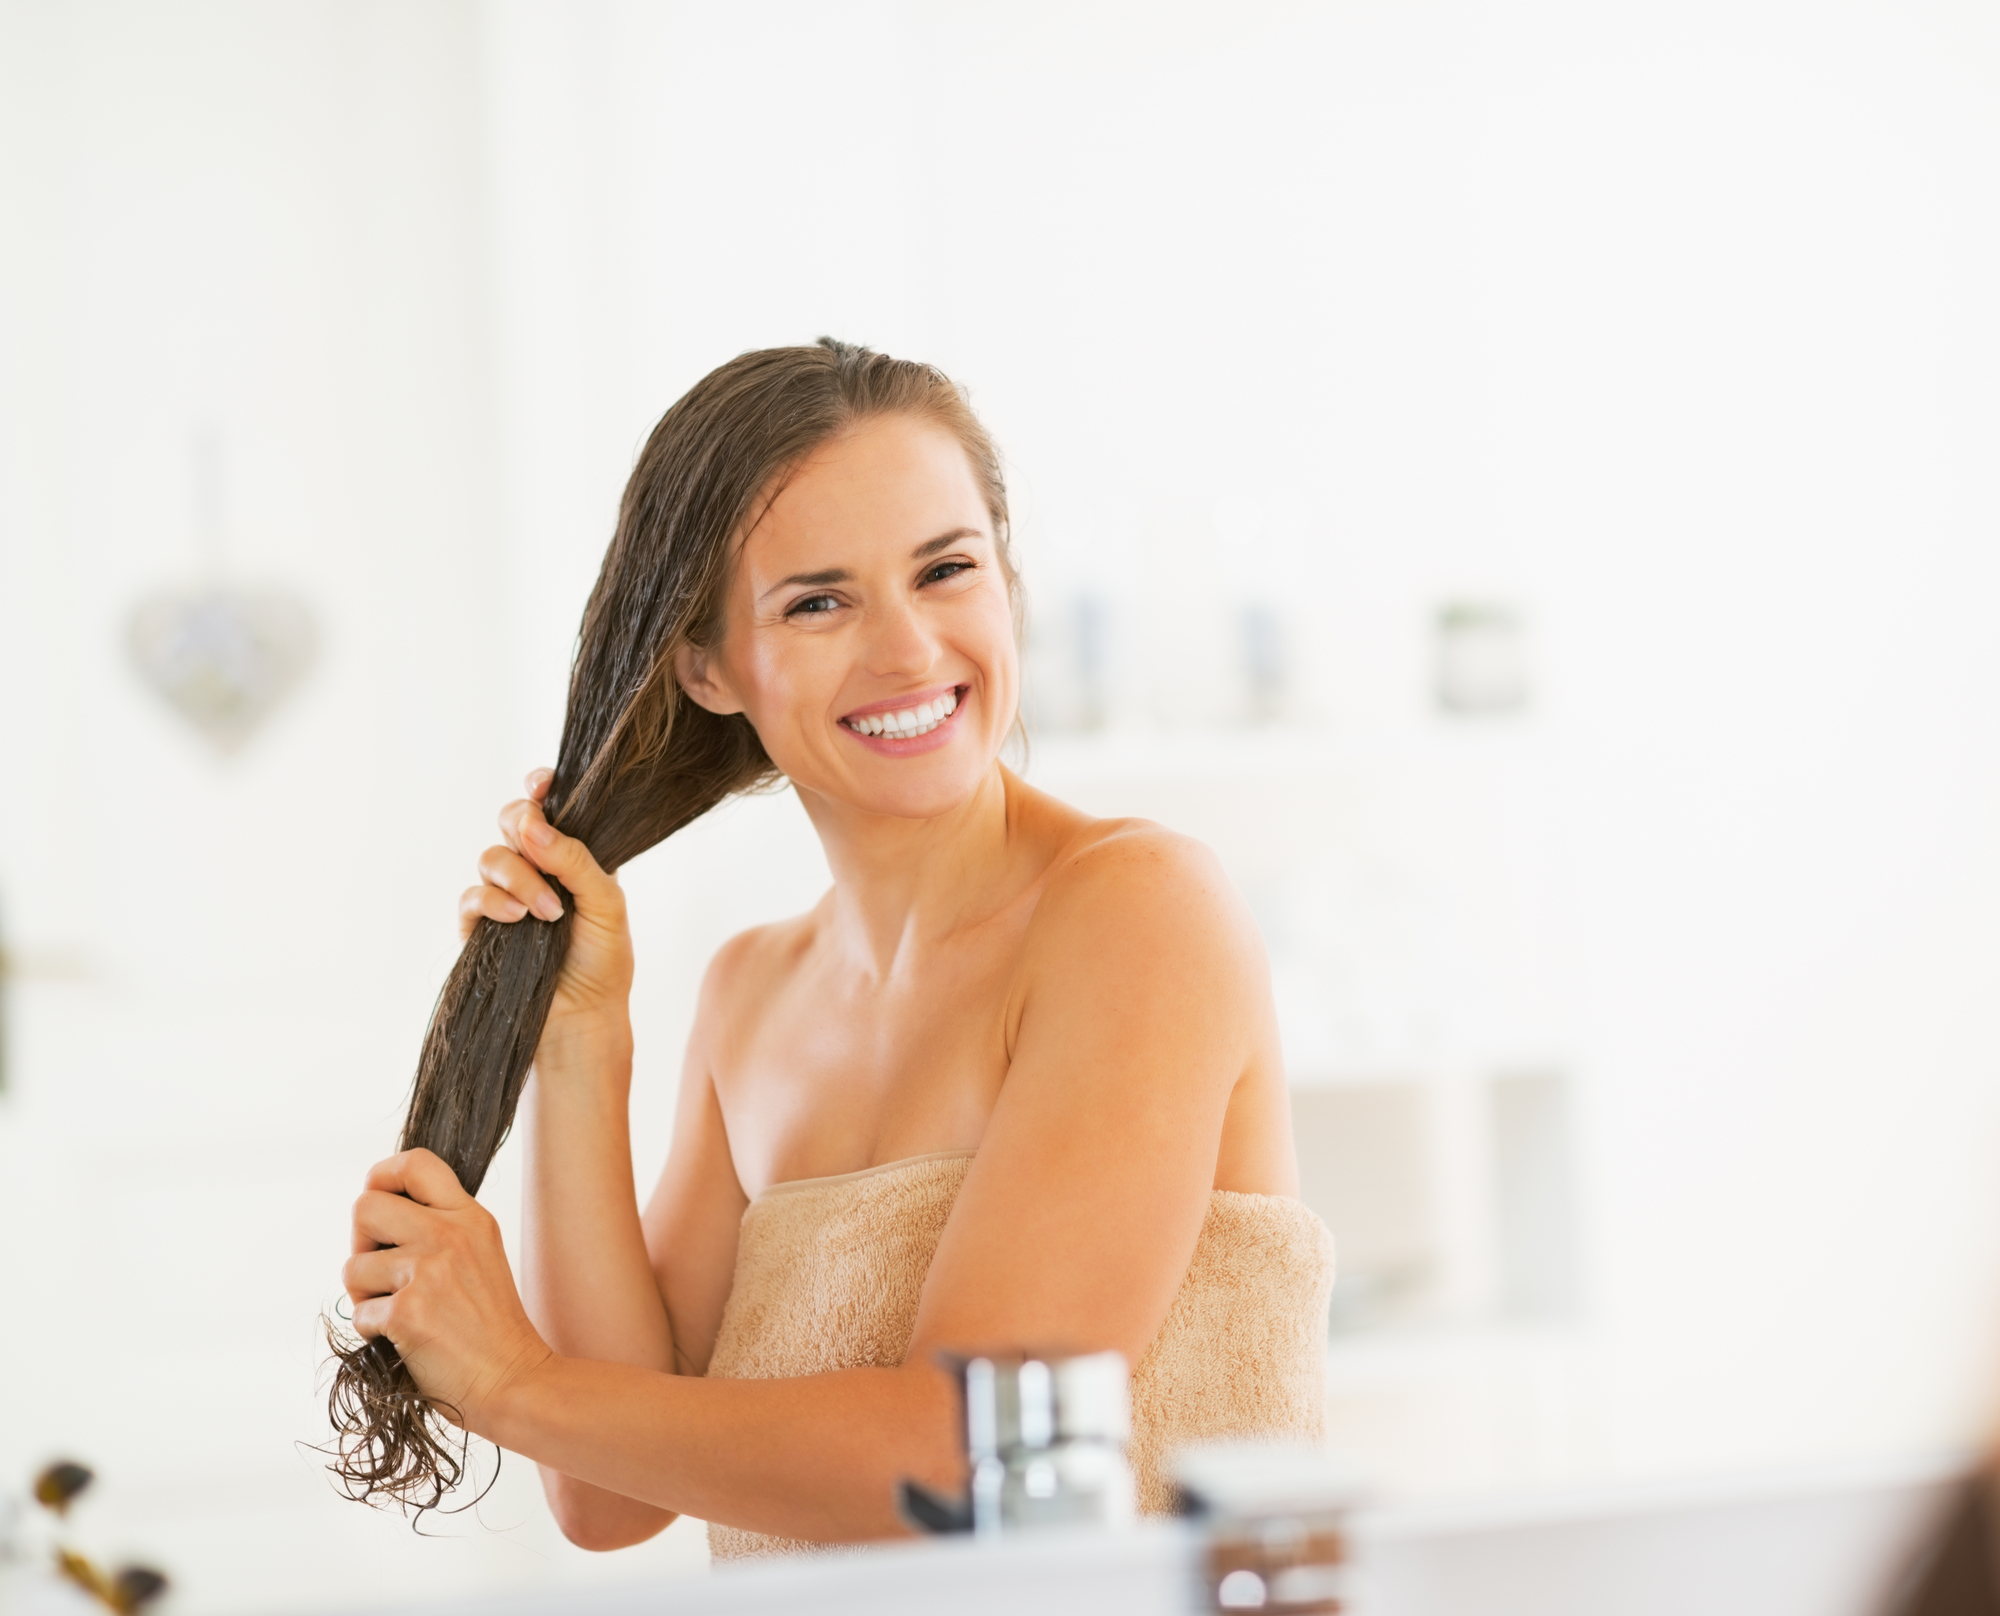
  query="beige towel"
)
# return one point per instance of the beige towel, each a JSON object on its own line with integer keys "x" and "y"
{"x": 829, "y": 1272}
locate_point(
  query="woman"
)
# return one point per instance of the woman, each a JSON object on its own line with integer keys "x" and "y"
{"x": 1014, "y": 1081}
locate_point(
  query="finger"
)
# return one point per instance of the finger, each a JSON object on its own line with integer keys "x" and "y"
{"x": 510, "y": 820}
{"x": 504, "y": 868}
{"x": 515, "y": 819}
{"x": 567, "y": 859}
{"x": 422, "y": 1175}
{"x": 487, "y": 903}
{"x": 538, "y": 783}
{"x": 371, "y": 1317}
{"x": 377, "y": 1273}
{"x": 384, "y": 1219}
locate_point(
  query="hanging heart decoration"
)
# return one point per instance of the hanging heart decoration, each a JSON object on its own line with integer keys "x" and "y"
{"x": 222, "y": 658}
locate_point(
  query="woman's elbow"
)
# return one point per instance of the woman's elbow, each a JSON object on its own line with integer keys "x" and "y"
{"x": 600, "y": 1536}
{"x": 599, "y": 1521}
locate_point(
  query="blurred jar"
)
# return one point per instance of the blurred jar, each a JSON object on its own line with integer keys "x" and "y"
{"x": 1273, "y": 1519}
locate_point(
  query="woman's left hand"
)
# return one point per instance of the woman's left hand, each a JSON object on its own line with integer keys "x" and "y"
{"x": 429, "y": 1271}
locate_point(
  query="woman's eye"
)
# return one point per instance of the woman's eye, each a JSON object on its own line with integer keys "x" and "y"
{"x": 812, "y": 606}
{"x": 946, "y": 569}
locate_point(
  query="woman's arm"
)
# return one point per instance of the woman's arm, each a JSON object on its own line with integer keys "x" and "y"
{"x": 1143, "y": 998}
{"x": 693, "y": 1219}
{"x": 584, "y": 1274}
{"x": 1142, "y": 1003}
{"x": 591, "y": 1286}
{"x": 655, "y": 1301}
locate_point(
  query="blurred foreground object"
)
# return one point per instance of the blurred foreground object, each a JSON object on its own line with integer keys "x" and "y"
{"x": 126, "y": 1590}
{"x": 1958, "y": 1574}
{"x": 1274, "y": 1517}
{"x": 220, "y": 657}
{"x": 61, "y": 1482}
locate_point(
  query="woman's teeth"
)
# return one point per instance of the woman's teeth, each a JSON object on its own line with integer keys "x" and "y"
{"x": 918, "y": 720}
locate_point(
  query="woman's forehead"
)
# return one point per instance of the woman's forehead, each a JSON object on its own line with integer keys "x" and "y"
{"x": 881, "y": 487}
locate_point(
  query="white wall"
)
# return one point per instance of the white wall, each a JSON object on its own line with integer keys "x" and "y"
{"x": 265, "y": 220}
{"x": 1672, "y": 325}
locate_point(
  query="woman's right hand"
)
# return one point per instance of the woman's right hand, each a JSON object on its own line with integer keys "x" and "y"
{"x": 596, "y": 979}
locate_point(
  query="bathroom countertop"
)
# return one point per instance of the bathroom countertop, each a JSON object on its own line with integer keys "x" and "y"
{"x": 1828, "y": 1541}
{"x": 1147, "y": 1571}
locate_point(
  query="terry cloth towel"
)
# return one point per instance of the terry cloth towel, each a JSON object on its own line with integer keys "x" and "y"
{"x": 829, "y": 1270}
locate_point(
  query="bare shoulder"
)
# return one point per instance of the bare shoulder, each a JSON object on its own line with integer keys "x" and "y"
{"x": 1148, "y": 891}
{"x": 1139, "y": 865}
{"x": 749, "y": 967}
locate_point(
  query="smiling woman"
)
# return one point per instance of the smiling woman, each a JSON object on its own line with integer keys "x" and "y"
{"x": 1013, "y": 1082}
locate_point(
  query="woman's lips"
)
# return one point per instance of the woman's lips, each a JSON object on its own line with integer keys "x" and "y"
{"x": 899, "y": 729}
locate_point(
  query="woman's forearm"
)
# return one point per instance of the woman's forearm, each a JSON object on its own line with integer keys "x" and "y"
{"x": 585, "y": 1278}
{"x": 817, "y": 1457}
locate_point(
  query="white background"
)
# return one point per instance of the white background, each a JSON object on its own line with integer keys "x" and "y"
{"x": 1672, "y": 325}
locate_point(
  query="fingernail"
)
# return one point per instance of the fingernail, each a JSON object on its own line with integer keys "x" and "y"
{"x": 548, "y": 906}
{"x": 538, "y": 833}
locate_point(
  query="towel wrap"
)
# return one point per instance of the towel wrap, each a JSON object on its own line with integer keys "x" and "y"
{"x": 829, "y": 1272}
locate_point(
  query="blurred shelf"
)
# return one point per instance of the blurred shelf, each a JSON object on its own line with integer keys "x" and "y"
{"x": 1250, "y": 751}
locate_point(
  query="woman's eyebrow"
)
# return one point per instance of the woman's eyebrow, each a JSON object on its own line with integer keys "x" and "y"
{"x": 840, "y": 575}
{"x": 943, "y": 541}
{"x": 832, "y": 575}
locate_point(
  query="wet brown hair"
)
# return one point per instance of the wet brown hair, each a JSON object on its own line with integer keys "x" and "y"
{"x": 638, "y": 761}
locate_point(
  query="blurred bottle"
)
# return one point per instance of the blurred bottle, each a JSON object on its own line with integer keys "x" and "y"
{"x": 1274, "y": 1522}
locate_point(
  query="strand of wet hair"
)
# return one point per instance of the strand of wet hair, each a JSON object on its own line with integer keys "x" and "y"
{"x": 392, "y": 1443}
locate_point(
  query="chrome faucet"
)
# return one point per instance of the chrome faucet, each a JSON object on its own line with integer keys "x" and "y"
{"x": 1044, "y": 1444}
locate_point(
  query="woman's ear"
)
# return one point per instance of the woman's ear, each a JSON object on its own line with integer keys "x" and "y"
{"x": 704, "y": 681}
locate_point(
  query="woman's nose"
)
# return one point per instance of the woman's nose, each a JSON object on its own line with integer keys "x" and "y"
{"x": 901, "y": 646}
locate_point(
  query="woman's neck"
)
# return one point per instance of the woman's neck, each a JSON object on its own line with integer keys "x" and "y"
{"x": 902, "y": 884}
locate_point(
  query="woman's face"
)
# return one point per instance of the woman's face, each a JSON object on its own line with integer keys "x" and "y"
{"x": 867, "y": 631}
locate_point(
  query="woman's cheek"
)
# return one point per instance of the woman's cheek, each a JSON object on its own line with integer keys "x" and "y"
{"x": 1002, "y": 662}
{"x": 783, "y": 718}
{"x": 765, "y": 687}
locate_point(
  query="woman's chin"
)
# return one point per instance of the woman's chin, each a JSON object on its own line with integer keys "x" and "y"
{"x": 925, "y": 800}
{"x": 911, "y": 788}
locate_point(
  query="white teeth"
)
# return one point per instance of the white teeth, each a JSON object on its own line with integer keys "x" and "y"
{"x": 918, "y": 720}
